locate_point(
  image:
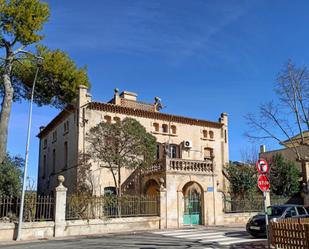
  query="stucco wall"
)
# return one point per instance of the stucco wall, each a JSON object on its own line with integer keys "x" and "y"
{"x": 31, "y": 230}
{"x": 40, "y": 230}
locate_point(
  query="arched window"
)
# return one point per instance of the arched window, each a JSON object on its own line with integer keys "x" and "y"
{"x": 211, "y": 134}
{"x": 116, "y": 119}
{"x": 205, "y": 133}
{"x": 173, "y": 129}
{"x": 156, "y": 127}
{"x": 107, "y": 119}
{"x": 165, "y": 128}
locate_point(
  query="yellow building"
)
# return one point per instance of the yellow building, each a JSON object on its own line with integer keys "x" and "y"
{"x": 191, "y": 154}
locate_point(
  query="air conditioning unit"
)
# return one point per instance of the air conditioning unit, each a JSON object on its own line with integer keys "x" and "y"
{"x": 187, "y": 144}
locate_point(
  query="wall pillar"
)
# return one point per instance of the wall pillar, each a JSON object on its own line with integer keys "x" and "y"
{"x": 267, "y": 198}
{"x": 180, "y": 208}
{"x": 305, "y": 173}
{"x": 163, "y": 205}
{"x": 60, "y": 207}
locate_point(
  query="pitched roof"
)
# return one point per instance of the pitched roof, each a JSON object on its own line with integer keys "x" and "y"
{"x": 151, "y": 114}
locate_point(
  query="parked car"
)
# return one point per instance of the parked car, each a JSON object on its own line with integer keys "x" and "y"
{"x": 256, "y": 225}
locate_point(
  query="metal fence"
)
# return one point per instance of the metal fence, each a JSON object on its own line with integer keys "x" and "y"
{"x": 289, "y": 233}
{"x": 249, "y": 204}
{"x": 93, "y": 207}
{"x": 36, "y": 208}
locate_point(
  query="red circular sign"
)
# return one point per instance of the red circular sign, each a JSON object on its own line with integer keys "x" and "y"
{"x": 263, "y": 183}
{"x": 262, "y": 166}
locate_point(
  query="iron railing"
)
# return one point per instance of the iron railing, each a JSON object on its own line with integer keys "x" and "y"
{"x": 250, "y": 204}
{"x": 94, "y": 207}
{"x": 36, "y": 208}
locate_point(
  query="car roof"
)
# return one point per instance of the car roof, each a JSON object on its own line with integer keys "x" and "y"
{"x": 286, "y": 205}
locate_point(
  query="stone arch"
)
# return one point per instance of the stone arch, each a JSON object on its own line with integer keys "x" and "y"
{"x": 193, "y": 188}
{"x": 193, "y": 203}
{"x": 151, "y": 187}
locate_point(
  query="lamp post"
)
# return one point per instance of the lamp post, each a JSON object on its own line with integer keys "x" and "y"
{"x": 21, "y": 209}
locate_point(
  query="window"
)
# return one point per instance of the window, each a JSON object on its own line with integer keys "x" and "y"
{"x": 44, "y": 167}
{"x": 117, "y": 120}
{"x": 55, "y": 136}
{"x": 45, "y": 143}
{"x": 173, "y": 128}
{"x": 225, "y": 136}
{"x": 205, "y": 133}
{"x": 156, "y": 127}
{"x": 173, "y": 151}
{"x": 108, "y": 119}
{"x": 165, "y": 128}
{"x": 208, "y": 153}
{"x": 158, "y": 151}
{"x": 66, "y": 127}
{"x": 54, "y": 161}
{"x": 109, "y": 191}
{"x": 301, "y": 210}
{"x": 211, "y": 134}
{"x": 65, "y": 155}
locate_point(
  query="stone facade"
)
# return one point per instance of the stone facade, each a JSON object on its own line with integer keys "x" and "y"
{"x": 191, "y": 155}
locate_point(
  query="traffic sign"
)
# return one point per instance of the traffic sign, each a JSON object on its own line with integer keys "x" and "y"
{"x": 263, "y": 183}
{"x": 262, "y": 166}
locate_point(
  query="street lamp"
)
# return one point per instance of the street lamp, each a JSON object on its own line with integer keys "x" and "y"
{"x": 21, "y": 209}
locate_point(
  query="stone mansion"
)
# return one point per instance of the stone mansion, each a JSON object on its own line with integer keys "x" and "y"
{"x": 191, "y": 153}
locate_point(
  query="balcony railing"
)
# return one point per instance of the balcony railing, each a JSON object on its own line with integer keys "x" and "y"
{"x": 181, "y": 165}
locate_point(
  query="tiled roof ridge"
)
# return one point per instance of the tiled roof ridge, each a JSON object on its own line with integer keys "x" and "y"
{"x": 151, "y": 114}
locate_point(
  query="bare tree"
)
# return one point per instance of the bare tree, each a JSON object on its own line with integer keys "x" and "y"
{"x": 250, "y": 154}
{"x": 287, "y": 119}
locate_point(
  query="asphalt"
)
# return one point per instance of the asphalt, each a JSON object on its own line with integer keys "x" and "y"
{"x": 141, "y": 240}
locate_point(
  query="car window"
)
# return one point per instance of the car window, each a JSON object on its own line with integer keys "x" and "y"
{"x": 291, "y": 212}
{"x": 301, "y": 210}
{"x": 275, "y": 210}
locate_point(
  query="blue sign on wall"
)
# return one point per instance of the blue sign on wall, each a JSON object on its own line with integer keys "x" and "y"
{"x": 210, "y": 189}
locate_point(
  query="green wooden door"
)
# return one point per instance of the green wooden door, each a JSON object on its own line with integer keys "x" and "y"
{"x": 192, "y": 210}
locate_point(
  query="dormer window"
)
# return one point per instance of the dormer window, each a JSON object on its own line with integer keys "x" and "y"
{"x": 165, "y": 128}
{"x": 156, "y": 127}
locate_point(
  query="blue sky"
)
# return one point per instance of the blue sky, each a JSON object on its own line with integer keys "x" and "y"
{"x": 201, "y": 57}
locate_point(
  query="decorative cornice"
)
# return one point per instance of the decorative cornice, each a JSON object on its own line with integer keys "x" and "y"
{"x": 150, "y": 114}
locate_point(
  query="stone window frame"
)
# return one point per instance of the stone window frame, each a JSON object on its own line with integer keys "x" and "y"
{"x": 173, "y": 129}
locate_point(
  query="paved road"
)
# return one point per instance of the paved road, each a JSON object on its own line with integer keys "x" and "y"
{"x": 195, "y": 238}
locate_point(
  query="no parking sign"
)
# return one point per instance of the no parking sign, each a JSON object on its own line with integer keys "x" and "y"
{"x": 262, "y": 166}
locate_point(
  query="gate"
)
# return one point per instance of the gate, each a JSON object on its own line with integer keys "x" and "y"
{"x": 192, "y": 210}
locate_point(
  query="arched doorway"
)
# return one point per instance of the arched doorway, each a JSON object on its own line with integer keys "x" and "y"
{"x": 151, "y": 187}
{"x": 192, "y": 193}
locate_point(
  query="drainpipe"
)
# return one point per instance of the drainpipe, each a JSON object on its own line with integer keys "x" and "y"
{"x": 213, "y": 193}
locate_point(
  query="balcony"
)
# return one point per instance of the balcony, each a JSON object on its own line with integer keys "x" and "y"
{"x": 182, "y": 166}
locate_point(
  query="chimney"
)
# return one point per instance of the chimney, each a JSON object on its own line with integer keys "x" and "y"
{"x": 262, "y": 148}
{"x": 223, "y": 118}
{"x": 83, "y": 96}
{"x": 129, "y": 95}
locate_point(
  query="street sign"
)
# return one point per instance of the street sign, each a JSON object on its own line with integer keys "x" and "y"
{"x": 263, "y": 183}
{"x": 262, "y": 166}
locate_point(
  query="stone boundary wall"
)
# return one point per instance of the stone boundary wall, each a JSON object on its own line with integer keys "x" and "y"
{"x": 45, "y": 230}
{"x": 237, "y": 218}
